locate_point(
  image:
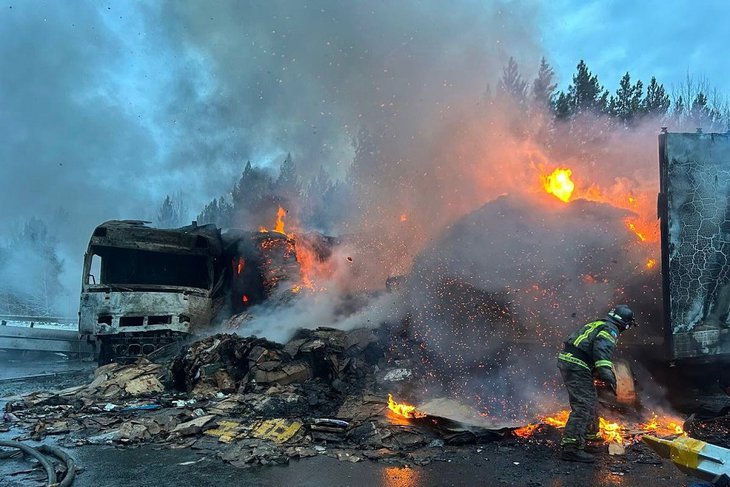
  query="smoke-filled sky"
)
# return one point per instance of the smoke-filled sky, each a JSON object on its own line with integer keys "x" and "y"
{"x": 106, "y": 108}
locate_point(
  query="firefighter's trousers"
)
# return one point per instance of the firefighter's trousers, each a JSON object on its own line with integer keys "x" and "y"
{"x": 583, "y": 421}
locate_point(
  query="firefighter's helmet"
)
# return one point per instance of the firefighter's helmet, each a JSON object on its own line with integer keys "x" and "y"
{"x": 623, "y": 316}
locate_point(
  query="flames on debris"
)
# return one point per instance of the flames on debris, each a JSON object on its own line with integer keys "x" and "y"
{"x": 560, "y": 184}
{"x": 610, "y": 431}
{"x": 403, "y": 409}
{"x": 278, "y": 262}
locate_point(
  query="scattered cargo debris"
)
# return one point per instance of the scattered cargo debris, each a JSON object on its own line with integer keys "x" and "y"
{"x": 253, "y": 402}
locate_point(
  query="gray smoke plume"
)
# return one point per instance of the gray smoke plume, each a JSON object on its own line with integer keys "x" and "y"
{"x": 107, "y": 109}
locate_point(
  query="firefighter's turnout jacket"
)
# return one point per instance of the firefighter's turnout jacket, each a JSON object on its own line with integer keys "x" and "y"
{"x": 591, "y": 348}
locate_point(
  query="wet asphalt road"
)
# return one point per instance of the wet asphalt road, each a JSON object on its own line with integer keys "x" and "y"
{"x": 508, "y": 462}
{"x": 151, "y": 467}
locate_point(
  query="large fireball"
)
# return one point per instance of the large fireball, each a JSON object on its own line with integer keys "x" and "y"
{"x": 559, "y": 184}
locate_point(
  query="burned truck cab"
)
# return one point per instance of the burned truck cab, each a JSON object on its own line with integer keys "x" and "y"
{"x": 145, "y": 287}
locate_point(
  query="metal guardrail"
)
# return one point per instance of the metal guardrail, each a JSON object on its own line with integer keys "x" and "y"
{"x": 4, "y": 319}
{"x": 30, "y": 338}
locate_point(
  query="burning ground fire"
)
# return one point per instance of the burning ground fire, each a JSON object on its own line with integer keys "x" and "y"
{"x": 612, "y": 432}
{"x": 609, "y": 431}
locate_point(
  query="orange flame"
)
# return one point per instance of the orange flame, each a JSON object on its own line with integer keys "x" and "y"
{"x": 664, "y": 426}
{"x": 527, "y": 431}
{"x": 279, "y": 225}
{"x": 558, "y": 420}
{"x": 279, "y": 228}
{"x": 403, "y": 409}
{"x": 239, "y": 267}
{"x": 559, "y": 184}
{"x": 650, "y": 263}
{"x": 632, "y": 227}
{"x": 307, "y": 261}
{"x": 611, "y": 432}
{"x": 244, "y": 298}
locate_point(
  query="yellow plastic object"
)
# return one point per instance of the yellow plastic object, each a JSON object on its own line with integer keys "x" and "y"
{"x": 698, "y": 458}
{"x": 685, "y": 451}
{"x": 226, "y": 432}
{"x": 278, "y": 430}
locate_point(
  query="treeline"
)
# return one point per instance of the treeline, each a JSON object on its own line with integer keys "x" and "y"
{"x": 317, "y": 203}
{"x": 320, "y": 202}
{"x": 29, "y": 272}
{"x": 694, "y": 102}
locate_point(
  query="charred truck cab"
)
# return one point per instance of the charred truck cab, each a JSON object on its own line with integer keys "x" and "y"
{"x": 145, "y": 287}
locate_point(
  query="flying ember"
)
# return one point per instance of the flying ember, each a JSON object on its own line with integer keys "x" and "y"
{"x": 559, "y": 184}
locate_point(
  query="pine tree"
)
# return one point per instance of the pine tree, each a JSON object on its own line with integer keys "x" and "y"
{"x": 585, "y": 93}
{"x": 316, "y": 210}
{"x": 288, "y": 187}
{"x": 511, "y": 82}
{"x": 253, "y": 189}
{"x": 172, "y": 212}
{"x": 167, "y": 215}
{"x": 563, "y": 106}
{"x": 627, "y": 104}
{"x": 29, "y": 277}
{"x": 543, "y": 87}
{"x": 635, "y": 105}
{"x": 700, "y": 112}
{"x": 679, "y": 108}
{"x": 612, "y": 106}
{"x": 656, "y": 101}
{"x": 217, "y": 212}
{"x": 621, "y": 108}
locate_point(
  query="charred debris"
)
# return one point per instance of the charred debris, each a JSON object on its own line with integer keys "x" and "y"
{"x": 254, "y": 402}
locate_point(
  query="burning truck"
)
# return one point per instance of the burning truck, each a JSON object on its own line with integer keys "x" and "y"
{"x": 145, "y": 288}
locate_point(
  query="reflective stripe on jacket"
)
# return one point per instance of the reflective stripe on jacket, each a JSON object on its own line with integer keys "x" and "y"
{"x": 592, "y": 345}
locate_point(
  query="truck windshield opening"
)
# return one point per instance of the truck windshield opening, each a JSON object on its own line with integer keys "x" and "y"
{"x": 143, "y": 267}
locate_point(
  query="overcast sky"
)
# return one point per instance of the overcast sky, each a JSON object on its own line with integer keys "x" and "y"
{"x": 107, "y": 107}
{"x": 666, "y": 39}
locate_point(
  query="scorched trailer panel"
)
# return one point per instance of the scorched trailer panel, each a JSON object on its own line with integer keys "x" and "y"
{"x": 694, "y": 208}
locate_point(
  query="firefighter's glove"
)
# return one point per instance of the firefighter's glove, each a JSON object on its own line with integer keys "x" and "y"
{"x": 606, "y": 375}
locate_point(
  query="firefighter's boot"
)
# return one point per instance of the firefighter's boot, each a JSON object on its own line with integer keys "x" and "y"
{"x": 572, "y": 453}
{"x": 595, "y": 447}
{"x": 594, "y": 443}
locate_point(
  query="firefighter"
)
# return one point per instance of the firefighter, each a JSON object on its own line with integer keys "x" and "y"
{"x": 587, "y": 352}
